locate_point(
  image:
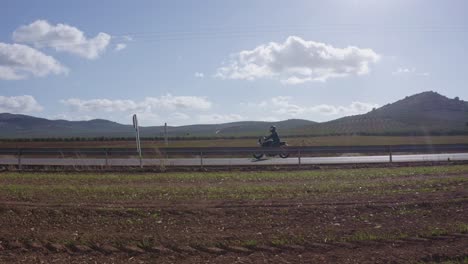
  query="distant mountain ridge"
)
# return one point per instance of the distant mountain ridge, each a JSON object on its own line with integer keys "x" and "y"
{"x": 423, "y": 113}
{"x": 17, "y": 126}
{"x": 24, "y": 126}
{"x": 427, "y": 112}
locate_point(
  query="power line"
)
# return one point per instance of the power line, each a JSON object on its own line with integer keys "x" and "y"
{"x": 218, "y": 33}
{"x": 251, "y": 32}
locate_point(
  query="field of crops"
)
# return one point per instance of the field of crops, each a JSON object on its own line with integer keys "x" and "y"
{"x": 397, "y": 215}
{"x": 295, "y": 141}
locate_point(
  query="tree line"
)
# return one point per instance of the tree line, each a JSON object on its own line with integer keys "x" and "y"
{"x": 193, "y": 138}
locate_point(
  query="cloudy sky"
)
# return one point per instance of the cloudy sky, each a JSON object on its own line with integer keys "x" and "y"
{"x": 186, "y": 62}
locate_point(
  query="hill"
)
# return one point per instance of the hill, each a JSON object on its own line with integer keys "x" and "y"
{"x": 245, "y": 128}
{"x": 423, "y": 113}
{"x": 24, "y": 126}
{"x": 419, "y": 114}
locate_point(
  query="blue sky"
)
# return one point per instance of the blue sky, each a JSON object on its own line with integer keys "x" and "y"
{"x": 186, "y": 62}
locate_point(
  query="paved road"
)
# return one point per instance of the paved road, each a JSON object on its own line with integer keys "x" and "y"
{"x": 233, "y": 161}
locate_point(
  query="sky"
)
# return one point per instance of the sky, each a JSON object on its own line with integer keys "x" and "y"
{"x": 192, "y": 62}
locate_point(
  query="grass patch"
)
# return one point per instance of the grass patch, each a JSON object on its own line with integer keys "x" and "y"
{"x": 278, "y": 242}
{"x": 462, "y": 227}
{"x": 251, "y": 192}
{"x": 249, "y": 185}
{"x": 335, "y": 174}
{"x": 436, "y": 231}
{"x": 368, "y": 236}
{"x": 249, "y": 243}
{"x": 146, "y": 243}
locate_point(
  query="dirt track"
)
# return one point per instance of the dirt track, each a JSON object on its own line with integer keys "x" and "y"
{"x": 366, "y": 216}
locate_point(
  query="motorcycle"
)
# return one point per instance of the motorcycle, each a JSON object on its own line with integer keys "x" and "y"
{"x": 269, "y": 144}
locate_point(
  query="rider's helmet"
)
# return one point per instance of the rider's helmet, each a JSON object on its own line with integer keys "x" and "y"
{"x": 272, "y": 128}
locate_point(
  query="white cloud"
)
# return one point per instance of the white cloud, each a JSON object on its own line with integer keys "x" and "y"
{"x": 19, "y": 104}
{"x": 62, "y": 37}
{"x": 105, "y": 105}
{"x": 178, "y": 102}
{"x": 179, "y": 116}
{"x": 146, "y": 118}
{"x": 297, "y": 61}
{"x": 152, "y": 118}
{"x": 408, "y": 71}
{"x": 149, "y": 104}
{"x": 282, "y": 107}
{"x": 400, "y": 71}
{"x": 219, "y": 118}
{"x": 175, "y": 110}
{"x": 199, "y": 75}
{"x": 127, "y": 38}
{"x": 352, "y": 109}
{"x": 20, "y": 61}
{"x": 120, "y": 46}
{"x": 68, "y": 117}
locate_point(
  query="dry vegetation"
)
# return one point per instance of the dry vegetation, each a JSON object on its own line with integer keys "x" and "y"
{"x": 400, "y": 215}
{"x": 296, "y": 141}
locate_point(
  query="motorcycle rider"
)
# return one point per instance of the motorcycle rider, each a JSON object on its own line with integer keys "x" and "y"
{"x": 273, "y": 139}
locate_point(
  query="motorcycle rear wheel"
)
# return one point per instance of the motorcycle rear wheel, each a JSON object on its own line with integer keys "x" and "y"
{"x": 284, "y": 153}
{"x": 258, "y": 155}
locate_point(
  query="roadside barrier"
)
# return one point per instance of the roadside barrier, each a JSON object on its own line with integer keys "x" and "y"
{"x": 204, "y": 152}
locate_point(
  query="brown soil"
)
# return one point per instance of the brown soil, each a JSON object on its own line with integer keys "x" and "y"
{"x": 402, "y": 227}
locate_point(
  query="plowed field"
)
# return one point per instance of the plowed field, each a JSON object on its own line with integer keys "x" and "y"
{"x": 374, "y": 215}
